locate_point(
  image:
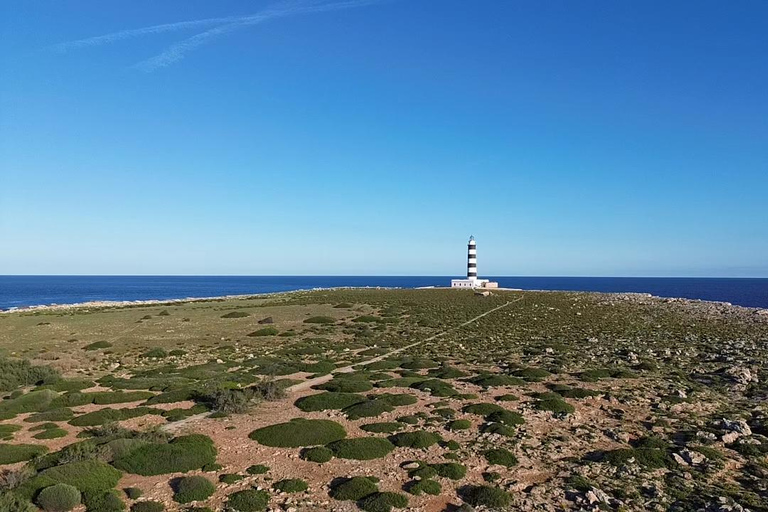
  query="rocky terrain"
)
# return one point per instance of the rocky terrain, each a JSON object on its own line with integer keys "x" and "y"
{"x": 378, "y": 400}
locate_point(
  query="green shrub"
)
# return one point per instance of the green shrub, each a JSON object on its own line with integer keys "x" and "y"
{"x": 363, "y": 448}
{"x": 88, "y": 476}
{"x": 423, "y": 472}
{"x": 419, "y": 487}
{"x": 507, "y": 398}
{"x": 58, "y": 498}
{"x": 411, "y": 419}
{"x": 319, "y": 454}
{"x": 59, "y": 414}
{"x": 148, "y": 506}
{"x": 383, "y": 502}
{"x": 368, "y": 409}
{"x": 382, "y": 428}
{"x": 17, "y": 373}
{"x": 346, "y": 385}
{"x": 7, "y": 431}
{"x": 249, "y": 500}
{"x": 133, "y": 493}
{"x": 396, "y": 399}
{"x": 482, "y": 409}
{"x": 177, "y": 352}
{"x": 98, "y": 345}
{"x": 451, "y": 470}
{"x": 235, "y": 314}
{"x": 192, "y": 488}
{"x": 103, "y": 501}
{"x": 291, "y": 485}
{"x": 435, "y": 387}
{"x": 182, "y": 454}
{"x": 257, "y": 469}
{"x": 552, "y": 402}
{"x": 119, "y": 397}
{"x": 401, "y": 382}
{"x": 569, "y": 392}
{"x": 353, "y": 489}
{"x": 265, "y": 331}
{"x": 506, "y": 417}
{"x": 320, "y": 320}
{"x": 12, "y": 453}
{"x": 299, "y": 432}
{"x": 497, "y": 428}
{"x": 155, "y": 353}
{"x": 459, "y": 425}
{"x": 230, "y": 478}
{"x": 11, "y": 502}
{"x": 34, "y": 401}
{"x": 51, "y": 433}
{"x": 486, "y": 496}
{"x": 328, "y": 401}
{"x": 416, "y": 439}
{"x": 532, "y": 374}
{"x": 366, "y": 319}
{"x": 496, "y": 380}
{"x": 446, "y": 372}
{"x": 501, "y": 457}
{"x": 650, "y": 458}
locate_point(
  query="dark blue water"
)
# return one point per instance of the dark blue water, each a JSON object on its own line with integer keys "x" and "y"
{"x": 19, "y": 291}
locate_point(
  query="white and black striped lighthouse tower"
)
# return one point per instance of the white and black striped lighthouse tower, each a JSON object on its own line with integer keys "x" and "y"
{"x": 472, "y": 259}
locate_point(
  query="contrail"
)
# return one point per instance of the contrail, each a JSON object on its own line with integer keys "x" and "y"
{"x": 178, "y": 51}
{"x": 222, "y": 25}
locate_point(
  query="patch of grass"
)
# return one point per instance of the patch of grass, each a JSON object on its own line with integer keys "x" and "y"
{"x": 265, "y": 331}
{"x": 363, "y": 448}
{"x": 108, "y": 415}
{"x": 416, "y": 439}
{"x": 291, "y": 485}
{"x": 419, "y": 364}
{"x": 353, "y": 489}
{"x": 7, "y": 431}
{"x": 59, "y": 414}
{"x": 181, "y": 454}
{"x": 501, "y": 457}
{"x": 383, "y": 502}
{"x": 12, "y": 453}
{"x": 383, "y": 428}
{"x": 320, "y": 320}
{"x": 192, "y": 488}
{"x": 299, "y": 432}
{"x": 58, "y": 498}
{"x": 319, "y": 454}
{"x": 51, "y": 433}
{"x": 486, "y": 496}
{"x": 250, "y": 500}
{"x": 366, "y": 319}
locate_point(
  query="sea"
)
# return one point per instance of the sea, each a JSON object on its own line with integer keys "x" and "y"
{"x": 22, "y": 291}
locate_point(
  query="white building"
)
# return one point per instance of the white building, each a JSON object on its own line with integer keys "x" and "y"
{"x": 472, "y": 281}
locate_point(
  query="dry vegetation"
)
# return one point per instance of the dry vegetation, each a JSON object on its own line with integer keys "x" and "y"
{"x": 378, "y": 400}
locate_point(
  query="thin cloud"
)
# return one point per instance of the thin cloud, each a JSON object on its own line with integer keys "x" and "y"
{"x": 222, "y": 26}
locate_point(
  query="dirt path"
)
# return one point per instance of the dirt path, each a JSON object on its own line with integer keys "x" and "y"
{"x": 302, "y": 386}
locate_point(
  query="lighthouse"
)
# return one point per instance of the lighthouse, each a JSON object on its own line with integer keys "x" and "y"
{"x": 472, "y": 280}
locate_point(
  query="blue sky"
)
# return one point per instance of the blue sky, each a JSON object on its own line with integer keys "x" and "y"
{"x": 571, "y": 138}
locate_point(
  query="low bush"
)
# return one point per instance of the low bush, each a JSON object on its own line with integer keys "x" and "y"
{"x": 649, "y": 458}
{"x": 16, "y": 373}
{"x": 108, "y": 415}
{"x": 299, "y": 432}
{"x": 58, "y": 498}
{"x": 450, "y": 470}
{"x": 7, "y": 431}
{"x": 257, "y": 469}
{"x": 98, "y": 345}
{"x": 363, "y": 448}
{"x": 459, "y": 425}
{"x": 180, "y": 455}
{"x": 235, "y": 314}
{"x": 368, "y": 409}
{"x": 51, "y": 433}
{"x": 34, "y": 401}
{"x": 346, "y": 385}
{"x": 446, "y": 372}
{"x": 88, "y": 476}
{"x": 416, "y": 439}
{"x": 552, "y": 402}
{"x": 501, "y": 457}
{"x": 319, "y": 454}
{"x": 133, "y": 493}
{"x": 424, "y": 486}
{"x": 486, "y": 496}
{"x": 505, "y": 417}
{"x": 482, "y": 409}
{"x": 496, "y": 380}
{"x": 155, "y": 353}
{"x": 291, "y": 485}
{"x": 507, "y": 398}
{"x": 497, "y": 428}
{"x": 320, "y": 320}
{"x": 383, "y": 502}
{"x": 266, "y": 331}
{"x": 328, "y": 401}
{"x": 103, "y": 501}
{"x": 148, "y": 506}
{"x": 435, "y": 387}
{"x": 59, "y": 414}
{"x": 11, "y": 502}
{"x": 532, "y": 374}
{"x": 250, "y": 500}
{"x": 353, "y": 489}
{"x": 12, "y": 453}
{"x": 383, "y": 428}
{"x": 230, "y": 478}
{"x": 192, "y": 488}
{"x": 569, "y": 392}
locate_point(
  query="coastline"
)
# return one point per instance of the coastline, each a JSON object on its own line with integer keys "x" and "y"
{"x": 106, "y": 304}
